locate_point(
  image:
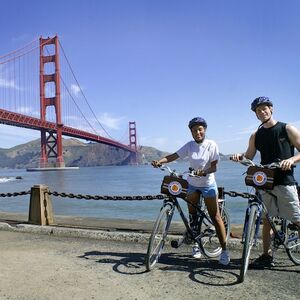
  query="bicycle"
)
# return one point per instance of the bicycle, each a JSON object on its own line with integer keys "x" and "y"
{"x": 174, "y": 186}
{"x": 261, "y": 177}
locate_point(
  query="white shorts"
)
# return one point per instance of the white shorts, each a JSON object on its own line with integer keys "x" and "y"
{"x": 286, "y": 205}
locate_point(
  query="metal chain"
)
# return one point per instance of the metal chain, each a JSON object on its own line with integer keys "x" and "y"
{"x": 131, "y": 198}
{"x": 236, "y": 194}
{"x": 98, "y": 197}
{"x": 15, "y": 194}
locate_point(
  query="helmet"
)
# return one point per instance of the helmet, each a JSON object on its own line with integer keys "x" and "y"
{"x": 197, "y": 121}
{"x": 260, "y": 100}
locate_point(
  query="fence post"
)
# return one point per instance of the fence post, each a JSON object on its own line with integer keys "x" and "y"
{"x": 40, "y": 207}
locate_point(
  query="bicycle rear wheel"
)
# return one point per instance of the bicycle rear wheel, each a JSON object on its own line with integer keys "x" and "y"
{"x": 209, "y": 242}
{"x": 158, "y": 236}
{"x": 248, "y": 241}
{"x": 292, "y": 243}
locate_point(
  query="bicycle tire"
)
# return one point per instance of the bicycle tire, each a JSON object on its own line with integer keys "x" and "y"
{"x": 158, "y": 236}
{"x": 293, "y": 244}
{"x": 209, "y": 242}
{"x": 248, "y": 242}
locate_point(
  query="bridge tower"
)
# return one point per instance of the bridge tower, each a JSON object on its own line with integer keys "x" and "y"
{"x": 133, "y": 143}
{"x": 51, "y": 142}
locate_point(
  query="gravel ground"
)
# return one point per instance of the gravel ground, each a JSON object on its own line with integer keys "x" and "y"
{"x": 39, "y": 266}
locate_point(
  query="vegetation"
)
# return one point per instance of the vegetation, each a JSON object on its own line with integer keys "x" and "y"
{"x": 76, "y": 153}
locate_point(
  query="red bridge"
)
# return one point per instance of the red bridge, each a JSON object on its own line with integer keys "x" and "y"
{"x": 35, "y": 94}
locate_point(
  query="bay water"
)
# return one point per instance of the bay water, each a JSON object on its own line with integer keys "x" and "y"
{"x": 115, "y": 180}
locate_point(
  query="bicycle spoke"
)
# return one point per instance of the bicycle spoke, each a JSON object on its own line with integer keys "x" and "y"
{"x": 209, "y": 242}
{"x": 158, "y": 236}
{"x": 293, "y": 245}
{"x": 249, "y": 240}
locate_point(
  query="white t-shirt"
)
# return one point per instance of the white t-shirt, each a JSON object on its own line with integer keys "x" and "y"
{"x": 200, "y": 157}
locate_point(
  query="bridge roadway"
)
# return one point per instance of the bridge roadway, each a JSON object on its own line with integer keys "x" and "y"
{"x": 73, "y": 260}
{"x": 20, "y": 120}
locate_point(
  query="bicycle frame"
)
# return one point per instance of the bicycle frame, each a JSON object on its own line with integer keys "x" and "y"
{"x": 173, "y": 201}
{"x": 204, "y": 233}
{"x": 262, "y": 180}
{"x": 257, "y": 200}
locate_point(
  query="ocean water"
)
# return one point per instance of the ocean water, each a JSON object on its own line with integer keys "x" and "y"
{"x": 115, "y": 180}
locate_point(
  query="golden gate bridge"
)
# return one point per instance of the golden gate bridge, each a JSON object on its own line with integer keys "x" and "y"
{"x": 39, "y": 91}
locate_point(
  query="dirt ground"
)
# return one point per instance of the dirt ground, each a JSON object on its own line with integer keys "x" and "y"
{"x": 35, "y": 266}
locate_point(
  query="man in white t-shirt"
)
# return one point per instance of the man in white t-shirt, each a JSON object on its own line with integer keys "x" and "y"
{"x": 203, "y": 155}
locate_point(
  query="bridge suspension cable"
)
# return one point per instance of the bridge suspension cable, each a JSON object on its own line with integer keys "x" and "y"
{"x": 81, "y": 91}
{"x": 50, "y": 109}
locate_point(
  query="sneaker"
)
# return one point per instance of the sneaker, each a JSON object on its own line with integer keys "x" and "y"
{"x": 196, "y": 253}
{"x": 264, "y": 261}
{"x": 224, "y": 258}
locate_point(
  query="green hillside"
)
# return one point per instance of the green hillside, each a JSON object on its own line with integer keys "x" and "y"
{"x": 76, "y": 153}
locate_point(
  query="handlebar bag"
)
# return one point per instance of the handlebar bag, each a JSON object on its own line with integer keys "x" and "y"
{"x": 261, "y": 178}
{"x": 174, "y": 186}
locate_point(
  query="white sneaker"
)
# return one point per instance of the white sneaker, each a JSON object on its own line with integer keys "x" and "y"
{"x": 196, "y": 253}
{"x": 224, "y": 258}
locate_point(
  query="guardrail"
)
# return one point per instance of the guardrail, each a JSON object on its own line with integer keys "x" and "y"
{"x": 40, "y": 206}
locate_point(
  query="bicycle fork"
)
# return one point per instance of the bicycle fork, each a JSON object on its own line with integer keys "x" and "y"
{"x": 257, "y": 223}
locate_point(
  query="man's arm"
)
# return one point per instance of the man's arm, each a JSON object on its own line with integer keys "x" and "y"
{"x": 250, "y": 152}
{"x": 294, "y": 137}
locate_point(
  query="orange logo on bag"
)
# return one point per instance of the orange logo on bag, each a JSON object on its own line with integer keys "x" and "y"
{"x": 174, "y": 188}
{"x": 259, "y": 178}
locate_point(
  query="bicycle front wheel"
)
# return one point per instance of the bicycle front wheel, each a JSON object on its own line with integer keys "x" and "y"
{"x": 158, "y": 236}
{"x": 292, "y": 243}
{"x": 250, "y": 228}
{"x": 209, "y": 242}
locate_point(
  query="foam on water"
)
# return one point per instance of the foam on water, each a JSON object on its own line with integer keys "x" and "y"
{"x": 7, "y": 179}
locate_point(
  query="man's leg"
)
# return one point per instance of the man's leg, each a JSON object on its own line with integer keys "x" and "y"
{"x": 266, "y": 237}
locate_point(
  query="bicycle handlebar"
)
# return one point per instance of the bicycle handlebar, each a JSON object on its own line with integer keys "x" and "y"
{"x": 248, "y": 162}
{"x": 191, "y": 172}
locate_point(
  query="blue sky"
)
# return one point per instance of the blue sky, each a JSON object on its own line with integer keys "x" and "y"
{"x": 160, "y": 63}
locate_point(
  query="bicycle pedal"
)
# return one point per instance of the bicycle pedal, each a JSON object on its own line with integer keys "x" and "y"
{"x": 174, "y": 244}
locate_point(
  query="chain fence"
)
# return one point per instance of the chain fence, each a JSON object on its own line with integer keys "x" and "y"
{"x": 115, "y": 198}
{"x": 237, "y": 194}
{"x": 15, "y": 194}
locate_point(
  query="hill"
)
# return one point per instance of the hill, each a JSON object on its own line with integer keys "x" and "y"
{"x": 76, "y": 153}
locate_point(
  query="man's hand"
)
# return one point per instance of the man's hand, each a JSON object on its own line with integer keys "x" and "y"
{"x": 287, "y": 164}
{"x": 237, "y": 157}
{"x": 156, "y": 163}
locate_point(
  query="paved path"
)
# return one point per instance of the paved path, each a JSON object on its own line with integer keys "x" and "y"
{"x": 46, "y": 266}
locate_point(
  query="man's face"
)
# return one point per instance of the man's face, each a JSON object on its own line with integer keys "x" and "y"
{"x": 198, "y": 133}
{"x": 264, "y": 112}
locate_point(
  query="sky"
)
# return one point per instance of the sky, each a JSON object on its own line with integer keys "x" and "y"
{"x": 162, "y": 62}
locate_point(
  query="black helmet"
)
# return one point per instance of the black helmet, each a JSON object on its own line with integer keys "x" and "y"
{"x": 197, "y": 121}
{"x": 260, "y": 100}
